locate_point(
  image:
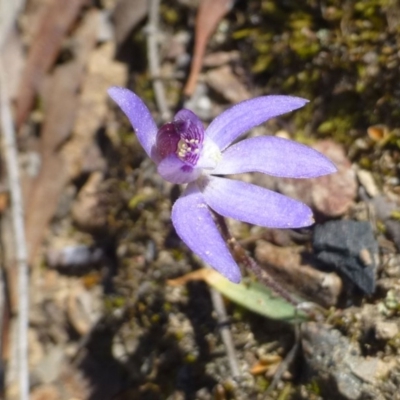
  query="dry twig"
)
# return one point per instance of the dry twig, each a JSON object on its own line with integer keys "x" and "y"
{"x": 226, "y": 335}
{"x": 11, "y": 157}
{"x": 154, "y": 61}
{"x": 9, "y": 11}
{"x": 285, "y": 364}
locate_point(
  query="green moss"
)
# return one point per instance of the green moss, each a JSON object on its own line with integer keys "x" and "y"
{"x": 365, "y": 162}
{"x": 262, "y": 64}
{"x": 381, "y": 227}
{"x": 169, "y": 14}
{"x": 242, "y": 34}
{"x": 139, "y": 198}
{"x": 285, "y": 392}
{"x": 239, "y": 313}
{"x": 262, "y": 383}
{"x": 155, "y": 318}
{"x": 178, "y": 254}
{"x": 338, "y": 127}
{"x": 179, "y": 335}
{"x": 326, "y": 127}
{"x": 395, "y": 215}
{"x": 167, "y": 307}
{"x": 112, "y": 303}
{"x": 190, "y": 358}
{"x": 295, "y": 49}
{"x": 301, "y": 137}
{"x": 314, "y": 387}
{"x": 302, "y": 46}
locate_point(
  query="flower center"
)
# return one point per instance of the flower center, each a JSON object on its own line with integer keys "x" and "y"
{"x": 187, "y": 148}
{"x": 180, "y": 137}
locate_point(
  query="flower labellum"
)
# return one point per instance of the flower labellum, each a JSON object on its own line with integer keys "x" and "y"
{"x": 186, "y": 153}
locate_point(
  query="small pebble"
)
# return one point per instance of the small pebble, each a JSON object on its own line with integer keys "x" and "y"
{"x": 386, "y": 330}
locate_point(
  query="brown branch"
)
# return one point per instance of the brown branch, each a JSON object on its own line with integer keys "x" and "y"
{"x": 209, "y": 15}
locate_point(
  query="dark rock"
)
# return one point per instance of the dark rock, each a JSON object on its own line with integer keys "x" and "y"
{"x": 350, "y": 248}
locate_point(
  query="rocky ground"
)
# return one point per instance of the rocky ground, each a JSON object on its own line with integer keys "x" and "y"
{"x": 105, "y": 321}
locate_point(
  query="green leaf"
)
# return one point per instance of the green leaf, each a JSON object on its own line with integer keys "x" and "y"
{"x": 251, "y": 295}
{"x": 260, "y": 299}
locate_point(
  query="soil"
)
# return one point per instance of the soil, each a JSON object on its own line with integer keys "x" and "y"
{"x": 105, "y": 321}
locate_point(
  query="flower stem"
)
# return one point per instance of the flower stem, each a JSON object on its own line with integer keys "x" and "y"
{"x": 313, "y": 310}
{"x": 248, "y": 262}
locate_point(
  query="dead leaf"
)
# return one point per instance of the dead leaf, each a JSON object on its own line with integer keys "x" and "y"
{"x": 367, "y": 180}
{"x": 61, "y": 104}
{"x": 45, "y": 392}
{"x": 59, "y": 167}
{"x": 103, "y": 72}
{"x": 13, "y": 61}
{"x": 88, "y": 211}
{"x": 267, "y": 364}
{"x": 60, "y": 98}
{"x": 223, "y": 81}
{"x": 127, "y": 14}
{"x": 83, "y": 308}
{"x": 198, "y": 275}
{"x": 377, "y": 132}
{"x": 220, "y": 58}
{"x": 209, "y": 15}
{"x": 4, "y": 198}
{"x": 55, "y": 24}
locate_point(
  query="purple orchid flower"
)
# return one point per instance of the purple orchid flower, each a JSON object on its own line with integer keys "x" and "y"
{"x": 185, "y": 153}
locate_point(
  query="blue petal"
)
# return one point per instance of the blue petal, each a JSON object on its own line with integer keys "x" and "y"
{"x": 173, "y": 170}
{"x": 254, "y": 204}
{"x": 138, "y": 114}
{"x": 194, "y": 224}
{"x": 197, "y": 125}
{"x": 274, "y": 156}
{"x": 244, "y": 116}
